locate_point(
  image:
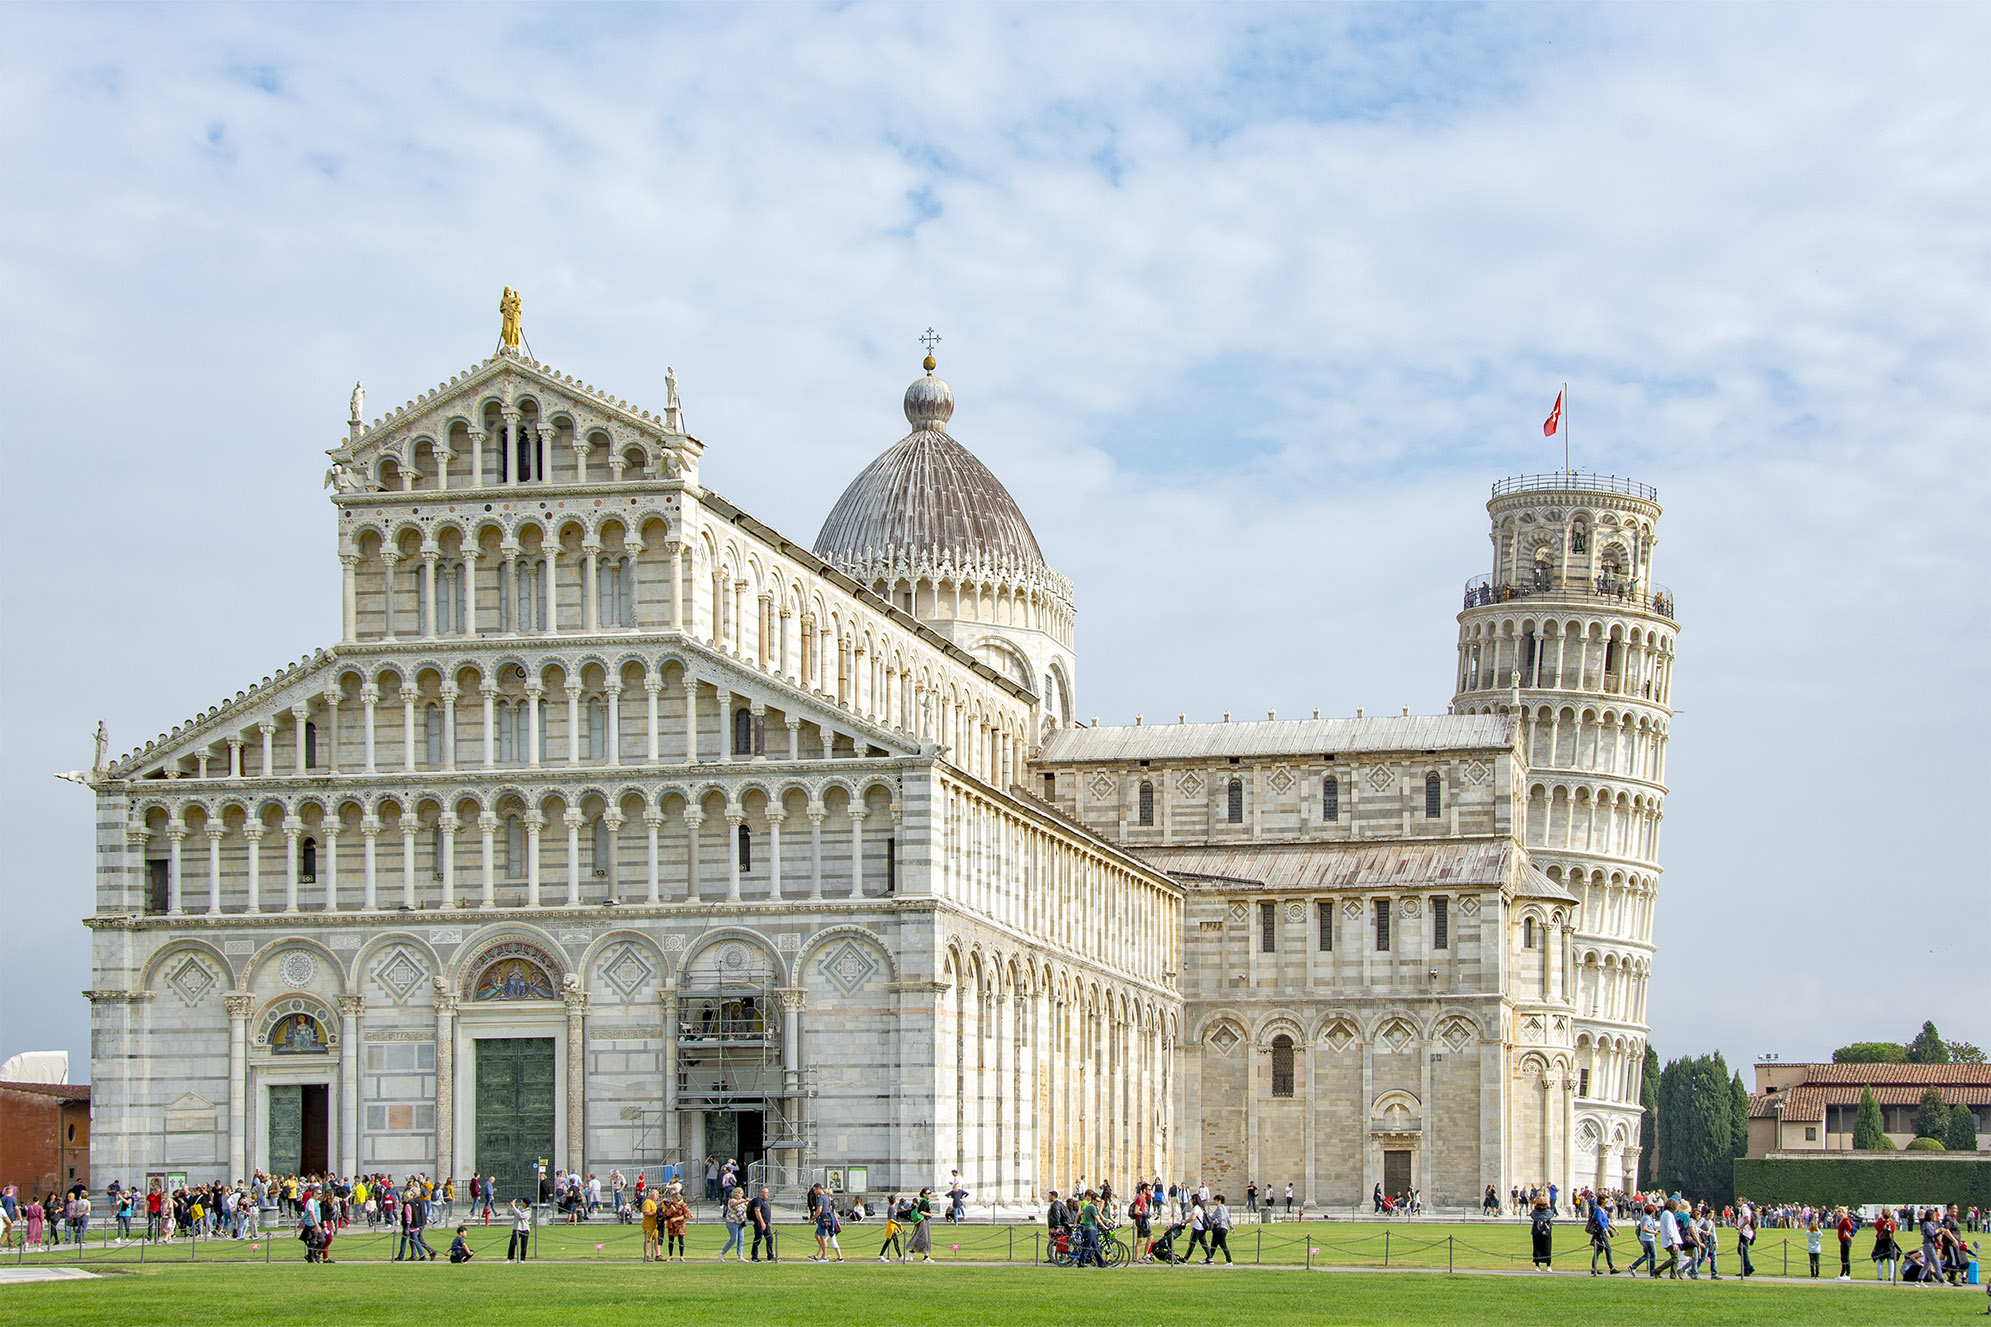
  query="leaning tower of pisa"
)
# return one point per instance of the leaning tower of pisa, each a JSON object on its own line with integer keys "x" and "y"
{"x": 1571, "y": 633}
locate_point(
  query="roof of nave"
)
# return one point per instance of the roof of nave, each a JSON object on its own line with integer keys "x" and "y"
{"x": 1478, "y": 863}
{"x": 282, "y": 683}
{"x": 1279, "y": 737}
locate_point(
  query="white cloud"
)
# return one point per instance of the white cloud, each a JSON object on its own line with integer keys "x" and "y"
{"x": 1246, "y": 306}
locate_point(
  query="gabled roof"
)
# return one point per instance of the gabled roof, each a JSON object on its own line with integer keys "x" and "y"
{"x": 1924, "y": 1075}
{"x": 60, "y": 1091}
{"x": 1301, "y": 739}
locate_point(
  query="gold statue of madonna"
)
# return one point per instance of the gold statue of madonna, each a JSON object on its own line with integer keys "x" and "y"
{"x": 510, "y": 307}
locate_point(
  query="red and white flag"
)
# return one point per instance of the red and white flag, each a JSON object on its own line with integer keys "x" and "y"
{"x": 1554, "y": 420}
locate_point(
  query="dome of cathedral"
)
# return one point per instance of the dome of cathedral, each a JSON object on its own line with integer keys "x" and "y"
{"x": 927, "y": 495}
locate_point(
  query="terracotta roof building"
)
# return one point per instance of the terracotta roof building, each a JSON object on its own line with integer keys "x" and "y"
{"x": 1810, "y": 1107}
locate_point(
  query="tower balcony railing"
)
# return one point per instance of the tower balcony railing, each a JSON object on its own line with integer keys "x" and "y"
{"x": 1484, "y": 590}
{"x": 1567, "y": 481}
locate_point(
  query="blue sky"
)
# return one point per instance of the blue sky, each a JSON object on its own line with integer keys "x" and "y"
{"x": 1247, "y": 305}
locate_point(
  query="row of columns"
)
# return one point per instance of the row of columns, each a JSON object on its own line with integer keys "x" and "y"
{"x": 431, "y": 556}
{"x": 487, "y": 825}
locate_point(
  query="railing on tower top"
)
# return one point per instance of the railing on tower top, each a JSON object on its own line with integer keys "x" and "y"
{"x": 1483, "y": 590}
{"x": 1577, "y": 483}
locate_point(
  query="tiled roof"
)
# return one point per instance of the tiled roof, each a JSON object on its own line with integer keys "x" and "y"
{"x": 1923, "y": 1075}
{"x": 1296, "y": 738}
{"x": 1805, "y": 1103}
{"x": 61, "y": 1091}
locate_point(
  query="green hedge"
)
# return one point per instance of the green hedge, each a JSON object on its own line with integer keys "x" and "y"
{"x": 1831, "y": 1181}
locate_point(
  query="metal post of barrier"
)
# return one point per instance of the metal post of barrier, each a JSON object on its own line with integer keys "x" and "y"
{"x": 1448, "y": 1254}
{"x": 1386, "y": 1248}
{"x": 1787, "y": 1255}
{"x": 1011, "y": 1256}
{"x": 1258, "y": 1254}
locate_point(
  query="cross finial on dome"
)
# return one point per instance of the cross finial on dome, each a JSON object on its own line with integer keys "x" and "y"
{"x": 930, "y": 339}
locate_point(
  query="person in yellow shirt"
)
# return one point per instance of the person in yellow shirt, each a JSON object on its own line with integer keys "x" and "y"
{"x": 650, "y": 1251}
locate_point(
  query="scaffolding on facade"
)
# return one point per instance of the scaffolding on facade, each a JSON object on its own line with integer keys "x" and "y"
{"x": 733, "y": 1059}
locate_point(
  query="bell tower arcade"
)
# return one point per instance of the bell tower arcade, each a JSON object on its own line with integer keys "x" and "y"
{"x": 1571, "y": 633}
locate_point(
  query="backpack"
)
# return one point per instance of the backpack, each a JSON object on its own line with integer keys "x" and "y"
{"x": 1595, "y": 1225}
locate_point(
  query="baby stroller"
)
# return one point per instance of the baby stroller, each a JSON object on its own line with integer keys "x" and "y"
{"x": 1164, "y": 1249}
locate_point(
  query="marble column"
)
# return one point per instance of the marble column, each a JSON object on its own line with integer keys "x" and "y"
{"x": 350, "y": 1009}
{"x": 652, "y": 821}
{"x": 577, "y": 1080}
{"x": 445, "y": 1002}
{"x": 240, "y": 1006}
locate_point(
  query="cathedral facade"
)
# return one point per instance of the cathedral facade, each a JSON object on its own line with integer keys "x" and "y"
{"x": 618, "y": 830}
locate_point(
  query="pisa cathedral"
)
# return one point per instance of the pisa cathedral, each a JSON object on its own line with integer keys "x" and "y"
{"x": 619, "y": 829}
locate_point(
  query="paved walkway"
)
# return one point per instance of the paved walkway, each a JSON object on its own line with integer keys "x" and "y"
{"x": 13, "y": 1276}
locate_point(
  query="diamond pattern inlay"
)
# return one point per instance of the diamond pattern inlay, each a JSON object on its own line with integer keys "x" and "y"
{"x": 848, "y": 966}
{"x": 192, "y": 980}
{"x": 1224, "y": 1038}
{"x": 626, "y": 969}
{"x": 1380, "y": 778}
{"x": 398, "y": 974}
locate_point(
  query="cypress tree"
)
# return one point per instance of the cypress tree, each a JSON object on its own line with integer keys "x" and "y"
{"x": 1738, "y": 1119}
{"x": 1928, "y": 1048}
{"x": 1932, "y": 1120}
{"x": 1869, "y": 1135}
{"x": 1961, "y": 1135}
{"x": 1669, "y": 1173}
{"x": 1648, "y": 1125}
{"x": 1714, "y": 1134}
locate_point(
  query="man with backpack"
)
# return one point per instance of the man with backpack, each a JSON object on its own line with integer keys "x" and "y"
{"x": 1057, "y": 1219}
{"x": 1599, "y": 1228}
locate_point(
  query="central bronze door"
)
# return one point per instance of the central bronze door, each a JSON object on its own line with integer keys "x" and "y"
{"x": 516, "y": 1087}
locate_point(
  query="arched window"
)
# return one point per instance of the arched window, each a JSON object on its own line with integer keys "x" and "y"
{"x": 514, "y": 848}
{"x": 1433, "y": 789}
{"x": 310, "y": 746}
{"x": 432, "y": 736}
{"x": 307, "y": 862}
{"x": 603, "y": 848}
{"x": 1237, "y": 801}
{"x": 1579, "y": 538}
{"x": 1330, "y": 798}
{"x": 597, "y": 730}
{"x": 1147, "y": 802}
{"x": 1282, "y": 1066}
{"x": 743, "y": 731}
{"x": 507, "y": 733}
{"x": 435, "y": 851}
{"x": 1527, "y": 933}
{"x": 746, "y": 849}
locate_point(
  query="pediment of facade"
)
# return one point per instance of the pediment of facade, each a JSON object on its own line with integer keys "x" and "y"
{"x": 507, "y": 379}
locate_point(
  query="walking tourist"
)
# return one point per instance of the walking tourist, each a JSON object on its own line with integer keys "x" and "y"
{"x": 734, "y": 1214}
{"x": 1541, "y": 1225}
{"x": 761, "y": 1213}
{"x": 1598, "y": 1224}
{"x": 1219, "y": 1224}
{"x": 922, "y": 1223}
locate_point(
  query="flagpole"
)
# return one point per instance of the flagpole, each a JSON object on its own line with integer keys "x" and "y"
{"x": 1565, "y": 430}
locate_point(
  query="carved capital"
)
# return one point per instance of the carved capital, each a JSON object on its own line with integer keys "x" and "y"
{"x": 351, "y": 1006}
{"x": 793, "y": 998}
{"x": 240, "y": 1004}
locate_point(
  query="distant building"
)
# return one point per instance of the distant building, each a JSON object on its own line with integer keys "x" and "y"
{"x": 1810, "y": 1107}
{"x": 44, "y": 1136}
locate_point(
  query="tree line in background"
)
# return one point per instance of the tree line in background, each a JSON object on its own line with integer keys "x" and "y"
{"x": 1696, "y": 1121}
{"x": 1927, "y": 1048}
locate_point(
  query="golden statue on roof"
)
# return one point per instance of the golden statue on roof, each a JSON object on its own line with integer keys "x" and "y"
{"x": 511, "y": 329}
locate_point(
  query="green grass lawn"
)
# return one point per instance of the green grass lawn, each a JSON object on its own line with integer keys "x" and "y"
{"x": 1436, "y": 1246}
{"x": 563, "y": 1294}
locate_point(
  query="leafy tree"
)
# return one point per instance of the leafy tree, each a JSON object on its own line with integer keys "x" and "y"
{"x": 1648, "y": 1125}
{"x": 1932, "y": 1120}
{"x": 1738, "y": 1116}
{"x": 1871, "y": 1052}
{"x": 1961, "y": 1135}
{"x": 1928, "y": 1047}
{"x": 1962, "y": 1052}
{"x": 1869, "y": 1134}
